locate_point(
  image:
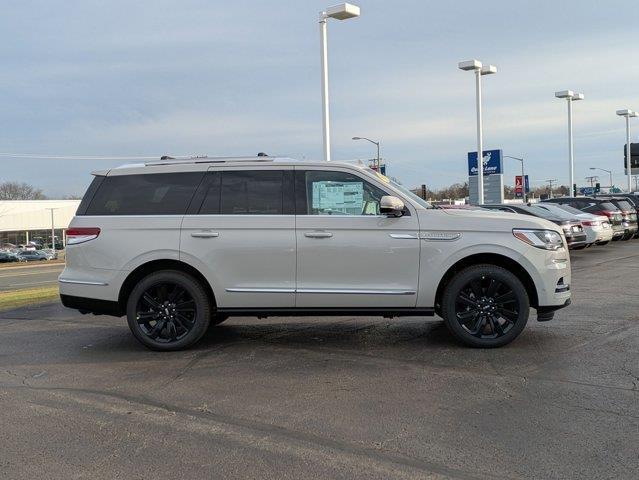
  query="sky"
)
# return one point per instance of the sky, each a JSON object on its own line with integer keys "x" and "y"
{"x": 147, "y": 78}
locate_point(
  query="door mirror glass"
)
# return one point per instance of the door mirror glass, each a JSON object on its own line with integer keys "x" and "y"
{"x": 391, "y": 206}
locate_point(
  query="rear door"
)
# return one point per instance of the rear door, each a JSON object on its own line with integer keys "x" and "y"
{"x": 348, "y": 255}
{"x": 240, "y": 233}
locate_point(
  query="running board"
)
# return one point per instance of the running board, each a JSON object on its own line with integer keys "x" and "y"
{"x": 330, "y": 311}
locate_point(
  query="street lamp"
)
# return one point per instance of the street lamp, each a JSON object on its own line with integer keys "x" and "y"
{"x": 570, "y": 97}
{"x": 628, "y": 113}
{"x": 52, "y": 230}
{"x": 374, "y": 143}
{"x": 343, "y": 11}
{"x": 479, "y": 69}
{"x": 604, "y": 170}
{"x": 523, "y": 177}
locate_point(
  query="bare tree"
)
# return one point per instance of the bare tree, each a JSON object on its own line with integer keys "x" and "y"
{"x": 20, "y": 191}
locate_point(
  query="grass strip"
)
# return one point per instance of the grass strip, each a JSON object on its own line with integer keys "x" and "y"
{"x": 27, "y": 296}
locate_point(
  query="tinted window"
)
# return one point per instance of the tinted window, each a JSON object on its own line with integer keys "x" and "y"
{"x": 625, "y": 205}
{"x": 211, "y": 192}
{"x": 147, "y": 194}
{"x": 252, "y": 192}
{"x": 338, "y": 193}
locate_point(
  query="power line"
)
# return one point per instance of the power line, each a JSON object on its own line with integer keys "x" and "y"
{"x": 77, "y": 157}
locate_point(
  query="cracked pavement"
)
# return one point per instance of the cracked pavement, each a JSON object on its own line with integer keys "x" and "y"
{"x": 334, "y": 397}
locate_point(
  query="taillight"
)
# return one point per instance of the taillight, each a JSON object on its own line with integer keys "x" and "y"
{"x": 590, "y": 223}
{"x": 77, "y": 235}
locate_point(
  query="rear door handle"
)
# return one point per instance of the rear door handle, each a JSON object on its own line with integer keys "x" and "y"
{"x": 205, "y": 234}
{"x": 318, "y": 234}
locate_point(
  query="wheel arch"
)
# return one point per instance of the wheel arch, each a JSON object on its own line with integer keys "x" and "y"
{"x": 489, "y": 259}
{"x": 154, "y": 266}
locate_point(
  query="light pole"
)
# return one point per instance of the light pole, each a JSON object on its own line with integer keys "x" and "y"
{"x": 604, "y": 170}
{"x": 479, "y": 69}
{"x": 570, "y": 97}
{"x": 523, "y": 177}
{"x": 628, "y": 113}
{"x": 375, "y": 143}
{"x": 52, "y": 229}
{"x": 340, "y": 12}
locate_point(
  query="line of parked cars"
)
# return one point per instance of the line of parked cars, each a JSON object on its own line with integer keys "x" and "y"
{"x": 585, "y": 221}
{"x": 26, "y": 253}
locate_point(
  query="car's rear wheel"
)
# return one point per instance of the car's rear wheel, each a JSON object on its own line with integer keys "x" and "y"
{"x": 168, "y": 310}
{"x": 485, "y": 306}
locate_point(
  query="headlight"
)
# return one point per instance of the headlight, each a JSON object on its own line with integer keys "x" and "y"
{"x": 546, "y": 239}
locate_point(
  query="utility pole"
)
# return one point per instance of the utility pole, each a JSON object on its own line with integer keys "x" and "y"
{"x": 592, "y": 180}
{"x": 550, "y": 182}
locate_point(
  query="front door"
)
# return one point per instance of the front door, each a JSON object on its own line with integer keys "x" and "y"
{"x": 348, "y": 255}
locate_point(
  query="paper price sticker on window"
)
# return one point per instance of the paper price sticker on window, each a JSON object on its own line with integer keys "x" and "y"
{"x": 338, "y": 197}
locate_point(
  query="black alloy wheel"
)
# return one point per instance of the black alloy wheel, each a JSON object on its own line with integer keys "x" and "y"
{"x": 168, "y": 310}
{"x": 485, "y": 306}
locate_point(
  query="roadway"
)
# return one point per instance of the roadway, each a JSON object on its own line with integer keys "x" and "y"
{"x": 33, "y": 275}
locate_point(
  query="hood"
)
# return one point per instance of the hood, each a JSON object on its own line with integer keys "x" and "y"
{"x": 482, "y": 221}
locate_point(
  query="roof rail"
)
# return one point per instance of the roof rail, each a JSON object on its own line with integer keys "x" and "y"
{"x": 206, "y": 159}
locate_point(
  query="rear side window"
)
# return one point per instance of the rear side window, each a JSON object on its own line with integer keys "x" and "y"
{"x": 146, "y": 194}
{"x": 252, "y": 192}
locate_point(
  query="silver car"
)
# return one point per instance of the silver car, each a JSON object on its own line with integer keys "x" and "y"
{"x": 596, "y": 227}
{"x": 177, "y": 246}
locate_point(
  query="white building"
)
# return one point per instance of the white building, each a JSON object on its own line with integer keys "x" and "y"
{"x": 22, "y": 221}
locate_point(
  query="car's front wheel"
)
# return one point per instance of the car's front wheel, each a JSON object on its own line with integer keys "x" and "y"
{"x": 168, "y": 310}
{"x": 485, "y": 306}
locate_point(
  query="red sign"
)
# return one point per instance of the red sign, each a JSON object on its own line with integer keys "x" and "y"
{"x": 519, "y": 186}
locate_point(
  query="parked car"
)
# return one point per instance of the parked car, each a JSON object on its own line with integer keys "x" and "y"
{"x": 32, "y": 256}
{"x": 571, "y": 226}
{"x": 596, "y": 227}
{"x": 596, "y": 206}
{"x": 50, "y": 253}
{"x": 179, "y": 245}
{"x": 629, "y": 215}
{"x": 6, "y": 257}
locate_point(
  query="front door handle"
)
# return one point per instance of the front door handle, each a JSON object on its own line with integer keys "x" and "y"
{"x": 205, "y": 234}
{"x": 318, "y": 234}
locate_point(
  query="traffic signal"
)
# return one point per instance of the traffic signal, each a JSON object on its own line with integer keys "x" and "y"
{"x": 597, "y": 187}
{"x": 574, "y": 189}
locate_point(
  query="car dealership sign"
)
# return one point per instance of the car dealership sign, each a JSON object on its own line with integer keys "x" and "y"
{"x": 493, "y": 163}
{"x": 493, "y": 177}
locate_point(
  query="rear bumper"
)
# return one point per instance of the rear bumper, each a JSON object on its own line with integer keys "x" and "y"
{"x": 92, "y": 305}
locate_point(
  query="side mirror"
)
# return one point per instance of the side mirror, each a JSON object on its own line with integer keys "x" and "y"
{"x": 391, "y": 206}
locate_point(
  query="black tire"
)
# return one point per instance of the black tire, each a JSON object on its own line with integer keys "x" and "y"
{"x": 603, "y": 243}
{"x": 168, "y": 310}
{"x": 485, "y": 306}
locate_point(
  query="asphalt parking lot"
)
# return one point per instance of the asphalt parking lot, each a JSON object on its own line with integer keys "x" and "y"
{"x": 331, "y": 398}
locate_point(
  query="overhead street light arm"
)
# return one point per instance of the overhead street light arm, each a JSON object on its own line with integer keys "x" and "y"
{"x": 374, "y": 143}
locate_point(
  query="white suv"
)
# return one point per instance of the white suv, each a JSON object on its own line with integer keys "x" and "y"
{"x": 179, "y": 245}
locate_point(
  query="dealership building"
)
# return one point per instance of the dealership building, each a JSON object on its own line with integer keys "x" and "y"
{"x": 24, "y": 221}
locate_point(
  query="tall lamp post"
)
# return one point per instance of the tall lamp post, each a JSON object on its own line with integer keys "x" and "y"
{"x": 343, "y": 11}
{"x": 628, "y": 113}
{"x": 523, "y": 176}
{"x": 570, "y": 97}
{"x": 374, "y": 143}
{"x": 479, "y": 69}
{"x": 604, "y": 170}
{"x": 52, "y": 229}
